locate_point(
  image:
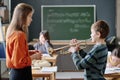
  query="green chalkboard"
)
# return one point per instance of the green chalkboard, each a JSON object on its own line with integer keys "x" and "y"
{"x": 65, "y": 22}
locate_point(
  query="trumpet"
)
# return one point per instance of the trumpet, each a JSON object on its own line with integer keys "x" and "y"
{"x": 83, "y": 45}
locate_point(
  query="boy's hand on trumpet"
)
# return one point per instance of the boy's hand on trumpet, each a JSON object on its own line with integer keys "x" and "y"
{"x": 74, "y": 46}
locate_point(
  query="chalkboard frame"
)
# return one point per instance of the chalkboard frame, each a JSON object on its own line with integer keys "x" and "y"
{"x": 42, "y": 16}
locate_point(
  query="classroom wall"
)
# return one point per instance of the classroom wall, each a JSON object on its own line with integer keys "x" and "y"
{"x": 105, "y": 10}
{"x": 118, "y": 20}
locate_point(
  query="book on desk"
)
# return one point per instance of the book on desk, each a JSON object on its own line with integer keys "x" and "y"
{"x": 112, "y": 70}
{"x": 49, "y": 69}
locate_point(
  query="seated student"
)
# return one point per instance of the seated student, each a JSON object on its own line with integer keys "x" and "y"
{"x": 114, "y": 58}
{"x": 44, "y": 43}
{"x": 43, "y": 46}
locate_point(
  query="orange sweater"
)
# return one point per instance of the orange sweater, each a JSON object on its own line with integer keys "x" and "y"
{"x": 17, "y": 55}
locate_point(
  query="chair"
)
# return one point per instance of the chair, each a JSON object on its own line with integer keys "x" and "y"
{"x": 111, "y": 43}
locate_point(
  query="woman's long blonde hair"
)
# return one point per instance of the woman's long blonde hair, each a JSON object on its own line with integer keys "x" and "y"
{"x": 19, "y": 18}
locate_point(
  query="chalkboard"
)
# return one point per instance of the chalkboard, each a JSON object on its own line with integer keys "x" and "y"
{"x": 65, "y": 22}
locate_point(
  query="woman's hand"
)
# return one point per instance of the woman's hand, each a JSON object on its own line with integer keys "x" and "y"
{"x": 37, "y": 55}
{"x": 31, "y": 52}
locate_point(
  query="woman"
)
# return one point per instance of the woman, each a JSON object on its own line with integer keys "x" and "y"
{"x": 17, "y": 55}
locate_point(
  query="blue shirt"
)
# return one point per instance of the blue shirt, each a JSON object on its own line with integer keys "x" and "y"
{"x": 93, "y": 62}
{"x": 42, "y": 48}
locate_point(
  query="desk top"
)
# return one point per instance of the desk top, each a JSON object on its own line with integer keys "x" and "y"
{"x": 112, "y": 72}
{"x": 38, "y": 73}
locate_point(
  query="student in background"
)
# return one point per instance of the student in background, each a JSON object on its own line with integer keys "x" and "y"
{"x": 17, "y": 54}
{"x": 114, "y": 58}
{"x": 44, "y": 43}
{"x": 94, "y": 61}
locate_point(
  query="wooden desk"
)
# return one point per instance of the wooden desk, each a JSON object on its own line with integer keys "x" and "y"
{"x": 112, "y": 76}
{"x": 46, "y": 75}
{"x": 112, "y": 73}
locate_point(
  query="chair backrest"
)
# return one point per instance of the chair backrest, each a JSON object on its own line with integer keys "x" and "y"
{"x": 111, "y": 43}
{"x": 111, "y": 40}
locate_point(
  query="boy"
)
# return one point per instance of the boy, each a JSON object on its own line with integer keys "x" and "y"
{"x": 93, "y": 62}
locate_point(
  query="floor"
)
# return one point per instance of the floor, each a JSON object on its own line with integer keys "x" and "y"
{"x": 59, "y": 76}
{"x": 5, "y": 76}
